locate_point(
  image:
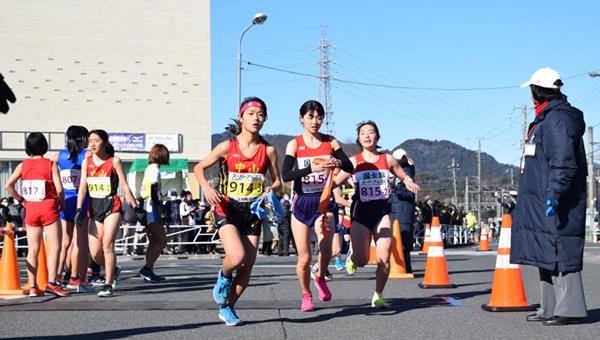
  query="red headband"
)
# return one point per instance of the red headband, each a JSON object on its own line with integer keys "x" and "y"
{"x": 249, "y": 105}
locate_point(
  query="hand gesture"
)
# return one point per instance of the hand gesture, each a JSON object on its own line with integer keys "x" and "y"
{"x": 212, "y": 196}
{"x": 6, "y": 95}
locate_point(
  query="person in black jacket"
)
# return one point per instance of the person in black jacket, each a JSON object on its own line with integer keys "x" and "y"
{"x": 548, "y": 229}
{"x": 403, "y": 205}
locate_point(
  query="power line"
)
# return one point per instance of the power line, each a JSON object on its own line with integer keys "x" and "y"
{"x": 401, "y": 87}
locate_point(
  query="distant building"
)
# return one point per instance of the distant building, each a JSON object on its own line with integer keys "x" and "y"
{"x": 138, "y": 69}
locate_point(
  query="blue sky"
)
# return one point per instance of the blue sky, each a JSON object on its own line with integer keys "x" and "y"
{"x": 439, "y": 44}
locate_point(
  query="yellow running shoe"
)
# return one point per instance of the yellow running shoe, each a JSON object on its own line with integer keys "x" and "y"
{"x": 350, "y": 266}
{"x": 377, "y": 301}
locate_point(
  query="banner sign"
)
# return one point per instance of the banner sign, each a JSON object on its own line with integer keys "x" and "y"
{"x": 143, "y": 142}
{"x": 170, "y": 141}
{"x": 132, "y": 142}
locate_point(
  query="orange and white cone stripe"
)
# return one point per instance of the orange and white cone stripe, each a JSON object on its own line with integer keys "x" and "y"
{"x": 484, "y": 242}
{"x": 436, "y": 269}
{"x": 508, "y": 292}
{"x": 427, "y": 239}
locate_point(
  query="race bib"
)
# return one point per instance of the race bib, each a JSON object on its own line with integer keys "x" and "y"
{"x": 33, "y": 190}
{"x": 374, "y": 185}
{"x": 245, "y": 187}
{"x": 314, "y": 182}
{"x": 99, "y": 187}
{"x": 70, "y": 179}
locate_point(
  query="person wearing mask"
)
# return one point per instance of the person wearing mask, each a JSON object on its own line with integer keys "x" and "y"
{"x": 548, "y": 230}
{"x": 403, "y": 205}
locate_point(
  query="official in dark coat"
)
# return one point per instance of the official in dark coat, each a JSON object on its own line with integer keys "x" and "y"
{"x": 403, "y": 205}
{"x": 548, "y": 229}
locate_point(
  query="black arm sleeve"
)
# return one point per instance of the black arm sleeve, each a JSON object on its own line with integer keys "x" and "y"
{"x": 287, "y": 174}
{"x": 346, "y": 163}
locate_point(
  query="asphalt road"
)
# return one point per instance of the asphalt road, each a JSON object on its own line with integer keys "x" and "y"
{"x": 183, "y": 307}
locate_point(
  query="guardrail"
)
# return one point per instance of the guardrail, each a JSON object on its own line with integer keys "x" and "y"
{"x": 139, "y": 232}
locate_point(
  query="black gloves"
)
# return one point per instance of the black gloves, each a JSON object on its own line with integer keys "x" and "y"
{"x": 78, "y": 217}
{"x": 140, "y": 214}
{"x": 6, "y": 95}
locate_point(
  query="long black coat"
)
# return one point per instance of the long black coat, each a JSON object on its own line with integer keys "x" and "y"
{"x": 403, "y": 200}
{"x": 557, "y": 170}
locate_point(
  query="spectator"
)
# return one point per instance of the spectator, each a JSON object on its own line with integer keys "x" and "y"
{"x": 284, "y": 228}
{"x": 548, "y": 229}
{"x": 403, "y": 205}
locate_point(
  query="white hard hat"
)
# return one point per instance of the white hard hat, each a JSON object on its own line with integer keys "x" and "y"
{"x": 544, "y": 77}
{"x": 399, "y": 153}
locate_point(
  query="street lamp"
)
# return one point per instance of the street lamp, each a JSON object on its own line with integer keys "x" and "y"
{"x": 594, "y": 74}
{"x": 258, "y": 19}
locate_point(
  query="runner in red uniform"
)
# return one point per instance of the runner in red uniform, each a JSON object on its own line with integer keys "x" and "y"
{"x": 310, "y": 178}
{"x": 101, "y": 180}
{"x": 370, "y": 211}
{"x": 42, "y": 192}
{"x": 244, "y": 161}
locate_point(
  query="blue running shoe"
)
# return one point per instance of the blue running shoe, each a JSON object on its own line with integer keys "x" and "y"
{"x": 222, "y": 288}
{"x": 228, "y": 315}
{"x": 339, "y": 263}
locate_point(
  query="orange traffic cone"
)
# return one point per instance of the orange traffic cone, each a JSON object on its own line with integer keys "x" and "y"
{"x": 10, "y": 284}
{"x": 373, "y": 253}
{"x": 508, "y": 292}
{"x": 397, "y": 264}
{"x": 484, "y": 243}
{"x": 436, "y": 270}
{"x": 427, "y": 237}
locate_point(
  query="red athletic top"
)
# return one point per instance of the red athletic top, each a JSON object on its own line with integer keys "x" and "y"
{"x": 313, "y": 183}
{"x": 242, "y": 178}
{"x": 36, "y": 180}
{"x": 102, "y": 180}
{"x": 371, "y": 179}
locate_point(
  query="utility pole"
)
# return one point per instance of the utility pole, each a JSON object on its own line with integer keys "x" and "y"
{"x": 453, "y": 167}
{"x": 512, "y": 176}
{"x": 590, "y": 182}
{"x": 325, "y": 81}
{"x": 524, "y": 139}
{"x": 479, "y": 180}
{"x": 467, "y": 194}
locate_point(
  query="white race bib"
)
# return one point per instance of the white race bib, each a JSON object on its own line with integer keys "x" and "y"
{"x": 245, "y": 187}
{"x": 99, "y": 187}
{"x": 373, "y": 184}
{"x": 70, "y": 178}
{"x": 33, "y": 190}
{"x": 314, "y": 182}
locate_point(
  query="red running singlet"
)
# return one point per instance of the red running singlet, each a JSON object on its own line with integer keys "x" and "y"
{"x": 313, "y": 183}
{"x": 39, "y": 193}
{"x": 242, "y": 178}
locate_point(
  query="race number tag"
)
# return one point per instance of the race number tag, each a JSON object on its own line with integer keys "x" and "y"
{"x": 33, "y": 190}
{"x": 314, "y": 182}
{"x": 70, "y": 178}
{"x": 373, "y": 184}
{"x": 245, "y": 187}
{"x": 99, "y": 187}
{"x": 529, "y": 149}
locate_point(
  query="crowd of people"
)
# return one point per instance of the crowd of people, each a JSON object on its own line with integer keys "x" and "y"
{"x": 71, "y": 198}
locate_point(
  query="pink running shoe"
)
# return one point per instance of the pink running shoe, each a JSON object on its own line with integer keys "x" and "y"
{"x": 307, "y": 305}
{"x": 324, "y": 293}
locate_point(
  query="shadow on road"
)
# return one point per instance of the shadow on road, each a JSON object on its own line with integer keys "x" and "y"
{"x": 124, "y": 333}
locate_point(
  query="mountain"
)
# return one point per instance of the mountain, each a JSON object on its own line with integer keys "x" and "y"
{"x": 431, "y": 158}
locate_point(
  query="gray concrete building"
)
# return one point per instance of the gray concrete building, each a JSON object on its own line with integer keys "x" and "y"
{"x": 138, "y": 69}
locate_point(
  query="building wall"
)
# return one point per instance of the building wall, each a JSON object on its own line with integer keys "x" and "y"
{"x": 124, "y": 66}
